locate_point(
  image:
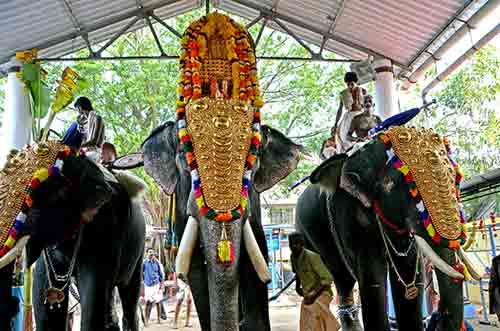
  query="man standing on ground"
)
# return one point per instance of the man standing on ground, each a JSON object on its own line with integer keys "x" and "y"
{"x": 313, "y": 282}
{"x": 183, "y": 293}
{"x": 153, "y": 284}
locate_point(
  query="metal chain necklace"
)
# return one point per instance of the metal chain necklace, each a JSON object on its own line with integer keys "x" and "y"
{"x": 55, "y": 295}
{"x": 398, "y": 253}
{"x": 411, "y": 290}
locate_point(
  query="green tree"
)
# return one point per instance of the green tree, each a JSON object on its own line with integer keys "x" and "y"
{"x": 136, "y": 96}
{"x": 468, "y": 113}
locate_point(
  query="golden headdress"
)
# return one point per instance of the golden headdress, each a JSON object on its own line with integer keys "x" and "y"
{"x": 218, "y": 114}
{"x": 23, "y": 172}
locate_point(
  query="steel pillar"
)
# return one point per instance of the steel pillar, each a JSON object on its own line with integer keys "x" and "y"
{"x": 17, "y": 120}
{"x": 385, "y": 98}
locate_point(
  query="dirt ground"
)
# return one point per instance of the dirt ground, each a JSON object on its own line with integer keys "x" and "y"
{"x": 284, "y": 314}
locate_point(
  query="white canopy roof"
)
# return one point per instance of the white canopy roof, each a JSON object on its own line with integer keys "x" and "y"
{"x": 404, "y": 31}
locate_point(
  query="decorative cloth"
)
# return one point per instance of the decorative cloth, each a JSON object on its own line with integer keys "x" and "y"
{"x": 153, "y": 294}
{"x": 318, "y": 316}
{"x": 344, "y": 141}
{"x": 23, "y": 173}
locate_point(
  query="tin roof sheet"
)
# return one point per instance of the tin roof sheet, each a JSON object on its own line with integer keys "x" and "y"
{"x": 400, "y": 30}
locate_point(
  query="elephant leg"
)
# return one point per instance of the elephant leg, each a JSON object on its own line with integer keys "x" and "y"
{"x": 47, "y": 319}
{"x": 408, "y": 312}
{"x": 198, "y": 282}
{"x": 96, "y": 294}
{"x": 451, "y": 299}
{"x": 8, "y": 304}
{"x": 129, "y": 296}
{"x": 372, "y": 271}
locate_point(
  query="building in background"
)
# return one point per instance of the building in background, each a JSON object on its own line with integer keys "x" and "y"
{"x": 279, "y": 211}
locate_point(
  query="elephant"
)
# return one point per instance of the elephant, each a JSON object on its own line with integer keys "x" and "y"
{"x": 85, "y": 217}
{"x": 360, "y": 216}
{"x": 226, "y": 298}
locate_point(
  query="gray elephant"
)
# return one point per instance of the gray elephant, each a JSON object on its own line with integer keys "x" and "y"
{"x": 218, "y": 158}
{"x": 77, "y": 216}
{"x": 368, "y": 213}
{"x": 226, "y": 298}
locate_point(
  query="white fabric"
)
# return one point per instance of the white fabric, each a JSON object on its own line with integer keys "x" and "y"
{"x": 153, "y": 293}
{"x": 182, "y": 289}
{"x": 348, "y": 101}
{"x": 343, "y": 141}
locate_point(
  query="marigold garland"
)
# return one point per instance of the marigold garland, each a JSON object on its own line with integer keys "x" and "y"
{"x": 244, "y": 87}
{"x": 39, "y": 177}
{"x": 425, "y": 218}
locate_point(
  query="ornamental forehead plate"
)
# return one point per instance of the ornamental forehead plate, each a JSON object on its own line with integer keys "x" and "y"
{"x": 424, "y": 152}
{"x": 221, "y": 132}
{"x": 16, "y": 176}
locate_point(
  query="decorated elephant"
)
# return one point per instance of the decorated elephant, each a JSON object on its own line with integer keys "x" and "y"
{"x": 217, "y": 159}
{"x": 375, "y": 210}
{"x": 82, "y": 222}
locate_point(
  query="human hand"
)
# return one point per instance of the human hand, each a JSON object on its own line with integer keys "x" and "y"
{"x": 309, "y": 299}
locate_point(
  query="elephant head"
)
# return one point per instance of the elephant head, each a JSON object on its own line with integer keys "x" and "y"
{"x": 278, "y": 157}
{"x": 407, "y": 178}
{"x": 46, "y": 192}
{"x": 226, "y": 153}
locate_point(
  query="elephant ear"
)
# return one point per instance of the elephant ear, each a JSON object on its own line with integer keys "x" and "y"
{"x": 361, "y": 175}
{"x": 159, "y": 151}
{"x": 279, "y": 157}
{"x": 328, "y": 173}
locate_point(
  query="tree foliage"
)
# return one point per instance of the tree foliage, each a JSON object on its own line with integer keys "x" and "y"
{"x": 301, "y": 97}
{"x": 468, "y": 112}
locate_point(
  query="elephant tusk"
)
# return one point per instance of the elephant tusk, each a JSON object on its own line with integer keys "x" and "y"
{"x": 186, "y": 247}
{"x": 438, "y": 262}
{"x": 15, "y": 251}
{"x": 473, "y": 270}
{"x": 258, "y": 261}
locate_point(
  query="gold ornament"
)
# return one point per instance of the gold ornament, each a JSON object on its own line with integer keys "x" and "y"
{"x": 424, "y": 152}
{"x": 221, "y": 131}
{"x": 16, "y": 176}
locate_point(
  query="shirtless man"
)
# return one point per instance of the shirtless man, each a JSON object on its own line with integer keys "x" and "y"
{"x": 364, "y": 122}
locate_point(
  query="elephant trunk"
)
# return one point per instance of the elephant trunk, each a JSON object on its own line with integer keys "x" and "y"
{"x": 223, "y": 279}
{"x": 451, "y": 295}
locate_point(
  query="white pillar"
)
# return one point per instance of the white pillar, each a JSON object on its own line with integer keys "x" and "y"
{"x": 17, "y": 118}
{"x": 385, "y": 97}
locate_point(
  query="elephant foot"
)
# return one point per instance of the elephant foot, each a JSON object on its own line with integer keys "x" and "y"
{"x": 349, "y": 318}
{"x": 112, "y": 327}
